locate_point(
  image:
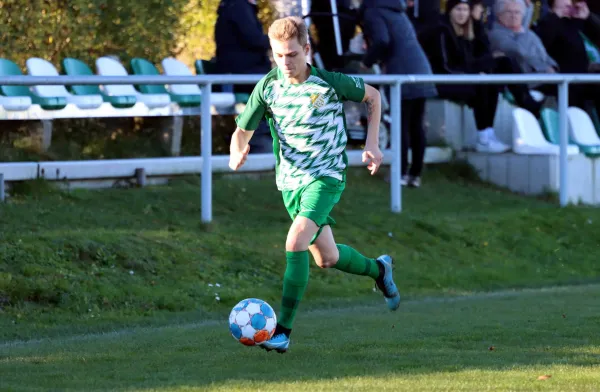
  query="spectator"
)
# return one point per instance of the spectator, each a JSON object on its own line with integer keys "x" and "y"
{"x": 560, "y": 31}
{"x": 477, "y": 10}
{"x": 392, "y": 41}
{"x": 459, "y": 45}
{"x": 510, "y": 37}
{"x": 242, "y": 48}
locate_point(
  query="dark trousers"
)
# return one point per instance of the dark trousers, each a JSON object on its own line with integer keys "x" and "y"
{"x": 579, "y": 94}
{"x": 413, "y": 135}
{"x": 484, "y": 98}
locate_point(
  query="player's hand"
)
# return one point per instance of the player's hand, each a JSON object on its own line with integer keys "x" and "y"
{"x": 373, "y": 156}
{"x": 238, "y": 158}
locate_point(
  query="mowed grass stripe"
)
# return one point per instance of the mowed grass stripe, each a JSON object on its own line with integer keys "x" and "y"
{"x": 482, "y": 342}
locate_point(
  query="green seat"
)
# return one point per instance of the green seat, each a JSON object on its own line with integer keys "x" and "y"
{"x": 506, "y": 94}
{"x": 76, "y": 67}
{"x": 9, "y": 68}
{"x": 551, "y": 128}
{"x": 592, "y": 50}
{"x": 207, "y": 67}
{"x": 144, "y": 67}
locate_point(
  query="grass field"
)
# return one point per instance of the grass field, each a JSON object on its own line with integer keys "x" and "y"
{"x": 502, "y": 341}
{"x": 117, "y": 290}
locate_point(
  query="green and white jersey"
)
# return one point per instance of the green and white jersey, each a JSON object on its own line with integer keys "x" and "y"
{"x": 307, "y": 123}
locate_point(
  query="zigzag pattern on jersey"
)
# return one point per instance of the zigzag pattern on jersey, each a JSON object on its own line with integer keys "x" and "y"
{"x": 312, "y": 140}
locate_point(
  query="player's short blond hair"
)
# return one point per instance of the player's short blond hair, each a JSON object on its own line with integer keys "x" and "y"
{"x": 288, "y": 28}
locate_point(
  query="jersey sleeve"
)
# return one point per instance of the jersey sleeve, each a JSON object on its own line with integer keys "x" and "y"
{"x": 255, "y": 109}
{"x": 348, "y": 88}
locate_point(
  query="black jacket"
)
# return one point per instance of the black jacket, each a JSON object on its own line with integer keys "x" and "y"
{"x": 242, "y": 46}
{"x": 392, "y": 42}
{"x": 563, "y": 43}
{"x": 451, "y": 54}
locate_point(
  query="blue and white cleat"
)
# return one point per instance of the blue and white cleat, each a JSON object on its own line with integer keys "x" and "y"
{"x": 279, "y": 343}
{"x": 386, "y": 284}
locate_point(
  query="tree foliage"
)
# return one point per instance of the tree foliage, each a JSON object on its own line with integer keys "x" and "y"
{"x": 88, "y": 29}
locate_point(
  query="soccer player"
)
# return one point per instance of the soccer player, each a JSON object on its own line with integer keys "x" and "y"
{"x": 304, "y": 108}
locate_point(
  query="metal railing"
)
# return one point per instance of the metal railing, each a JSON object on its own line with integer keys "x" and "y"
{"x": 395, "y": 81}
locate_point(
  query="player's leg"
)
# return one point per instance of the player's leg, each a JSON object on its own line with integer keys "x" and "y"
{"x": 328, "y": 254}
{"x": 295, "y": 280}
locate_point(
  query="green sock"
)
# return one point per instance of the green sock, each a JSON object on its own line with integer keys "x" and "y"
{"x": 295, "y": 281}
{"x": 353, "y": 262}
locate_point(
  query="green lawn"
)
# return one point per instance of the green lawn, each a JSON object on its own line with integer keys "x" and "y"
{"x": 96, "y": 260}
{"x": 491, "y": 342}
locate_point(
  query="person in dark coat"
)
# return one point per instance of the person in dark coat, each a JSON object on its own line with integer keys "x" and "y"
{"x": 459, "y": 45}
{"x": 560, "y": 32}
{"x": 242, "y": 48}
{"x": 392, "y": 42}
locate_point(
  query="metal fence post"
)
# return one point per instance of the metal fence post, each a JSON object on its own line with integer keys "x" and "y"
{"x": 395, "y": 175}
{"x": 2, "y": 187}
{"x": 206, "y": 151}
{"x": 563, "y": 104}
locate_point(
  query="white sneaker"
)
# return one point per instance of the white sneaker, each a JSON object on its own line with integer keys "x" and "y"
{"x": 487, "y": 142}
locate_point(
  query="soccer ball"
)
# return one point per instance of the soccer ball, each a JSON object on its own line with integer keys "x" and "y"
{"x": 252, "y": 321}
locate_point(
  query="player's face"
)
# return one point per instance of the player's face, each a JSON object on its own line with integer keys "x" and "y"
{"x": 290, "y": 57}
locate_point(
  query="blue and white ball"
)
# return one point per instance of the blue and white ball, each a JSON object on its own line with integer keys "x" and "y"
{"x": 252, "y": 321}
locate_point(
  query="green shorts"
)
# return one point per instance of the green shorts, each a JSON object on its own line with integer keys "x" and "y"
{"x": 315, "y": 201}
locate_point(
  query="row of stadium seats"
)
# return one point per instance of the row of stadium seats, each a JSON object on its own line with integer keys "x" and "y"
{"x": 119, "y": 96}
{"x": 533, "y": 136}
{"x": 529, "y": 136}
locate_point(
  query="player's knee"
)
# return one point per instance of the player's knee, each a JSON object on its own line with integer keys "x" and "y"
{"x": 296, "y": 243}
{"x": 328, "y": 259}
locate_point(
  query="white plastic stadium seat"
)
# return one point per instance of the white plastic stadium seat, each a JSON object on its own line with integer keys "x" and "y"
{"x": 173, "y": 67}
{"x": 529, "y": 139}
{"x": 581, "y": 128}
{"x": 503, "y": 120}
{"x": 41, "y": 67}
{"x": 107, "y": 66}
{"x": 15, "y": 103}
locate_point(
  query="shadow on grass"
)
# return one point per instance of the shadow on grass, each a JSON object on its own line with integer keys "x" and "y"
{"x": 538, "y": 329}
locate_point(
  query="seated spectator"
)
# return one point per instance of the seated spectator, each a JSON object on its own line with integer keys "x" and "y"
{"x": 510, "y": 37}
{"x": 477, "y": 10}
{"x": 459, "y": 45}
{"x": 242, "y": 48}
{"x": 560, "y": 31}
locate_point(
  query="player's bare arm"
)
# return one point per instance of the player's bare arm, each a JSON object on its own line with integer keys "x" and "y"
{"x": 372, "y": 154}
{"x": 239, "y": 148}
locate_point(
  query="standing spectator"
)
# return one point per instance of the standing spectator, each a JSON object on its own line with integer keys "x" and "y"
{"x": 242, "y": 48}
{"x": 459, "y": 45}
{"x": 510, "y": 37}
{"x": 392, "y": 41}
